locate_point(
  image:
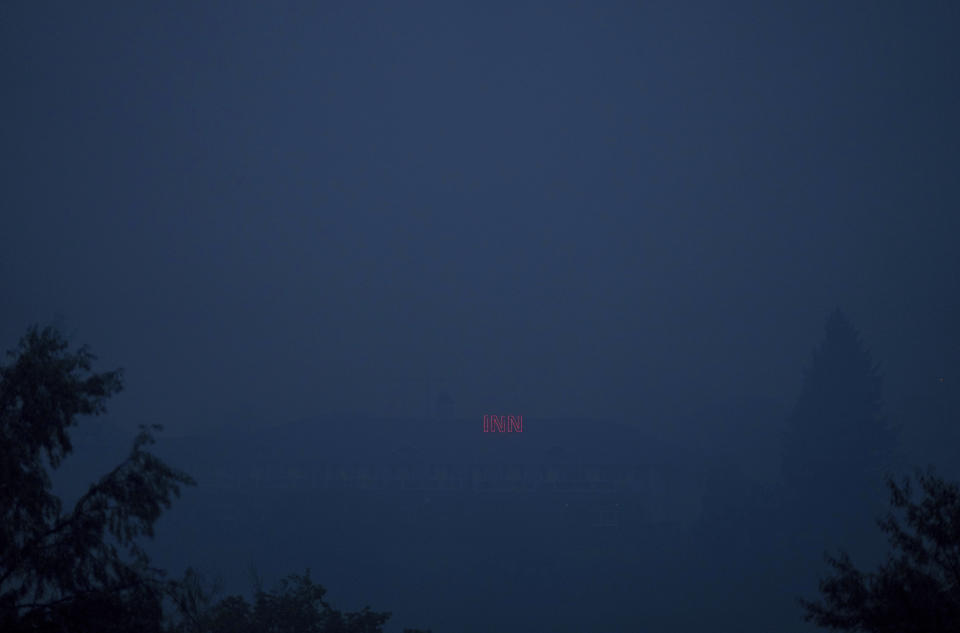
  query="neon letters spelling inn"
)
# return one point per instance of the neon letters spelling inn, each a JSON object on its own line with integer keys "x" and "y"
{"x": 503, "y": 424}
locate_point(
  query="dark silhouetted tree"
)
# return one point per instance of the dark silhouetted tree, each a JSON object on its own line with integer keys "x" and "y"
{"x": 837, "y": 446}
{"x": 297, "y": 606}
{"x": 81, "y": 570}
{"x": 191, "y": 600}
{"x": 917, "y": 590}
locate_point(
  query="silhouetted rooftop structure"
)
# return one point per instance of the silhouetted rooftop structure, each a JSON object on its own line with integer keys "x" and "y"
{"x": 573, "y": 456}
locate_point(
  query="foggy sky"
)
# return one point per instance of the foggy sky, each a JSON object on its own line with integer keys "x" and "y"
{"x": 556, "y": 209}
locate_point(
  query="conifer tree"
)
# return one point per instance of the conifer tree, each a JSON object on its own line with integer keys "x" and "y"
{"x": 838, "y": 447}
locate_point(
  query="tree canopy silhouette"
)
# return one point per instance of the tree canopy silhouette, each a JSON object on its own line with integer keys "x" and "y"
{"x": 837, "y": 446}
{"x": 82, "y": 569}
{"x": 296, "y": 606}
{"x": 917, "y": 590}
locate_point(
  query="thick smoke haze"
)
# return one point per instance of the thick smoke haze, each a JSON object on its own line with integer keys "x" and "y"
{"x": 570, "y": 209}
{"x": 640, "y": 213}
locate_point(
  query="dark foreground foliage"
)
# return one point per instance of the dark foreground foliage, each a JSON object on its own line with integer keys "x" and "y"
{"x": 917, "y": 589}
{"x": 296, "y": 606}
{"x": 84, "y": 570}
{"x": 81, "y": 569}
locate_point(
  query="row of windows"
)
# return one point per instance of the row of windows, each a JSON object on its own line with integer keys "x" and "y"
{"x": 451, "y": 477}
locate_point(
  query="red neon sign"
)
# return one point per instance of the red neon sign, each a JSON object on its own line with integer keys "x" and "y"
{"x": 503, "y": 424}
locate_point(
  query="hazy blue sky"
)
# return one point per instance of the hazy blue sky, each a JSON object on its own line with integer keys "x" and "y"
{"x": 270, "y": 212}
